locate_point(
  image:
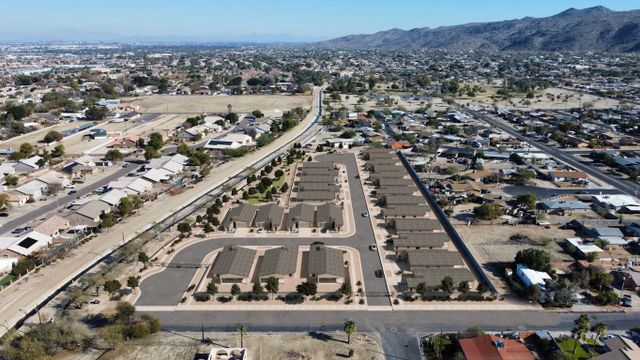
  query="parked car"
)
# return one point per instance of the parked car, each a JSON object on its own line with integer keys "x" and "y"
{"x": 378, "y": 273}
{"x": 373, "y": 247}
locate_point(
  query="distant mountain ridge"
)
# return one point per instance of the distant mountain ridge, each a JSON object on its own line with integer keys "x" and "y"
{"x": 592, "y": 29}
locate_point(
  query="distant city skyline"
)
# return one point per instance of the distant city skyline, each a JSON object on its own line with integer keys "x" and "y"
{"x": 257, "y": 20}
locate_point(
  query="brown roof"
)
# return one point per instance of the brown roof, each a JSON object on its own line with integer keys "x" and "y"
{"x": 486, "y": 347}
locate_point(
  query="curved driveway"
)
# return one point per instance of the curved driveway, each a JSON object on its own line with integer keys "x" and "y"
{"x": 167, "y": 287}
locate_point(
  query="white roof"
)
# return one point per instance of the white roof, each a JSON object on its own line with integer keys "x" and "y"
{"x": 614, "y": 240}
{"x": 32, "y": 187}
{"x": 30, "y": 243}
{"x": 53, "y": 177}
{"x": 7, "y": 168}
{"x": 180, "y": 159}
{"x": 6, "y": 263}
{"x": 173, "y": 166}
{"x": 140, "y": 185}
{"x": 85, "y": 160}
{"x": 157, "y": 175}
{"x": 534, "y": 277}
{"x": 6, "y": 241}
{"x": 616, "y": 200}
{"x": 32, "y": 161}
{"x": 243, "y": 139}
{"x": 114, "y": 196}
{"x": 584, "y": 248}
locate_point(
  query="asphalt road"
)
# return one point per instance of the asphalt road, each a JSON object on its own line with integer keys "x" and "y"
{"x": 622, "y": 185}
{"x": 62, "y": 201}
{"x": 167, "y": 287}
{"x": 398, "y": 330}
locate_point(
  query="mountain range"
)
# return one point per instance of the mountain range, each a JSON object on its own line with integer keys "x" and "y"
{"x": 592, "y": 29}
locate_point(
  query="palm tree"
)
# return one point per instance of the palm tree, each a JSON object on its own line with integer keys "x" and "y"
{"x": 350, "y": 328}
{"x": 600, "y": 329}
{"x": 242, "y": 329}
{"x": 582, "y": 325}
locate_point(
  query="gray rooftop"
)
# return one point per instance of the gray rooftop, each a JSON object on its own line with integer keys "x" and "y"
{"x": 270, "y": 213}
{"x": 397, "y": 190}
{"x": 329, "y": 212}
{"x": 301, "y": 212}
{"x": 327, "y": 179}
{"x": 279, "y": 261}
{"x": 434, "y": 258}
{"x": 315, "y": 196}
{"x": 318, "y": 187}
{"x": 233, "y": 260}
{"x": 393, "y": 200}
{"x": 422, "y": 240}
{"x": 406, "y": 210}
{"x": 395, "y": 181}
{"x": 93, "y": 209}
{"x": 432, "y": 277}
{"x": 326, "y": 261}
{"x": 382, "y": 168}
{"x": 241, "y": 213}
{"x": 413, "y": 225}
{"x": 318, "y": 164}
{"x": 320, "y": 171}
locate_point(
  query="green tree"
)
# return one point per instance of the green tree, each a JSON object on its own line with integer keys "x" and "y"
{"x": 11, "y": 180}
{"x": 235, "y": 290}
{"x": 463, "y": 287}
{"x": 151, "y": 153}
{"x": 76, "y": 296}
{"x": 93, "y": 280}
{"x": 111, "y": 286}
{"x": 527, "y": 200}
{"x": 212, "y": 288}
{"x": 52, "y": 136}
{"x": 183, "y": 149}
{"x": 125, "y": 207}
{"x": 113, "y": 155}
{"x": 257, "y": 113}
{"x": 488, "y": 211}
{"x": 26, "y": 149}
{"x": 307, "y": 288}
{"x": 125, "y": 312}
{"x": 257, "y": 288}
{"x": 107, "y": 220}
{"x": 350, "y": 329}
{"x": 446, "y": 285}
{"x": 143, "y": 258}
{"x": 184, "y": 229}
{"x": 112, "y": 335}
{"x": 155, "y": 140}
{"x": 232, "y": 117}
{"x": 535, "y": 259}
{"x": 600, "y": 329}
{"x": 58, "y": 151}
{"x": 272, "y": 285}
{"x": 133, "y": 282}
{"x": 421, "y": 288}
{"x": 581, "y": 326}
{"x": 4, "y": 202}
{"x": 345, "y": 289}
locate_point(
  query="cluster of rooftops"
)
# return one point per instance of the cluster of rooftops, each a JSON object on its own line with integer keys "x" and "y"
{"x": 419, "y": 240}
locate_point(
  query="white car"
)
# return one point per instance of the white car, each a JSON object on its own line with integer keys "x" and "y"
{"x": 373, "y": 247}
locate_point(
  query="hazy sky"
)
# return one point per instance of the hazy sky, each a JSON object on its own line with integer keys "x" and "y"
{"x": 304, "y": 18}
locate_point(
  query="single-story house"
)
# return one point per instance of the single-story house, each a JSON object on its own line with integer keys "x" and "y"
{"x": 269, "y": 217}
{"x": 233, "y": 265}
{"x": 325, "y": 264}
{"x": 240, "y": 216}
{"x": 301, "y": 216}
{"x": 280, "y": 263}
{"x": 29, "y": 243}
{"x": 329, "y": 217}
{"x": 532, "y": 277}
{"x": 93, "y": 209}
{"x": 53, "y": 226}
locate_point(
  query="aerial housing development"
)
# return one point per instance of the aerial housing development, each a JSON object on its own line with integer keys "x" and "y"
{"x": 455, "y": 192}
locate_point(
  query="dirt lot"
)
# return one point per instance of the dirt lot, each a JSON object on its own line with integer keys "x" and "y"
{"x": 268, "y": 104}
{"x": 491, "y": 245}
{"x": 38, "y": 135}
{"x": 562, "y": 99}
{"x": 263, "y": 346}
